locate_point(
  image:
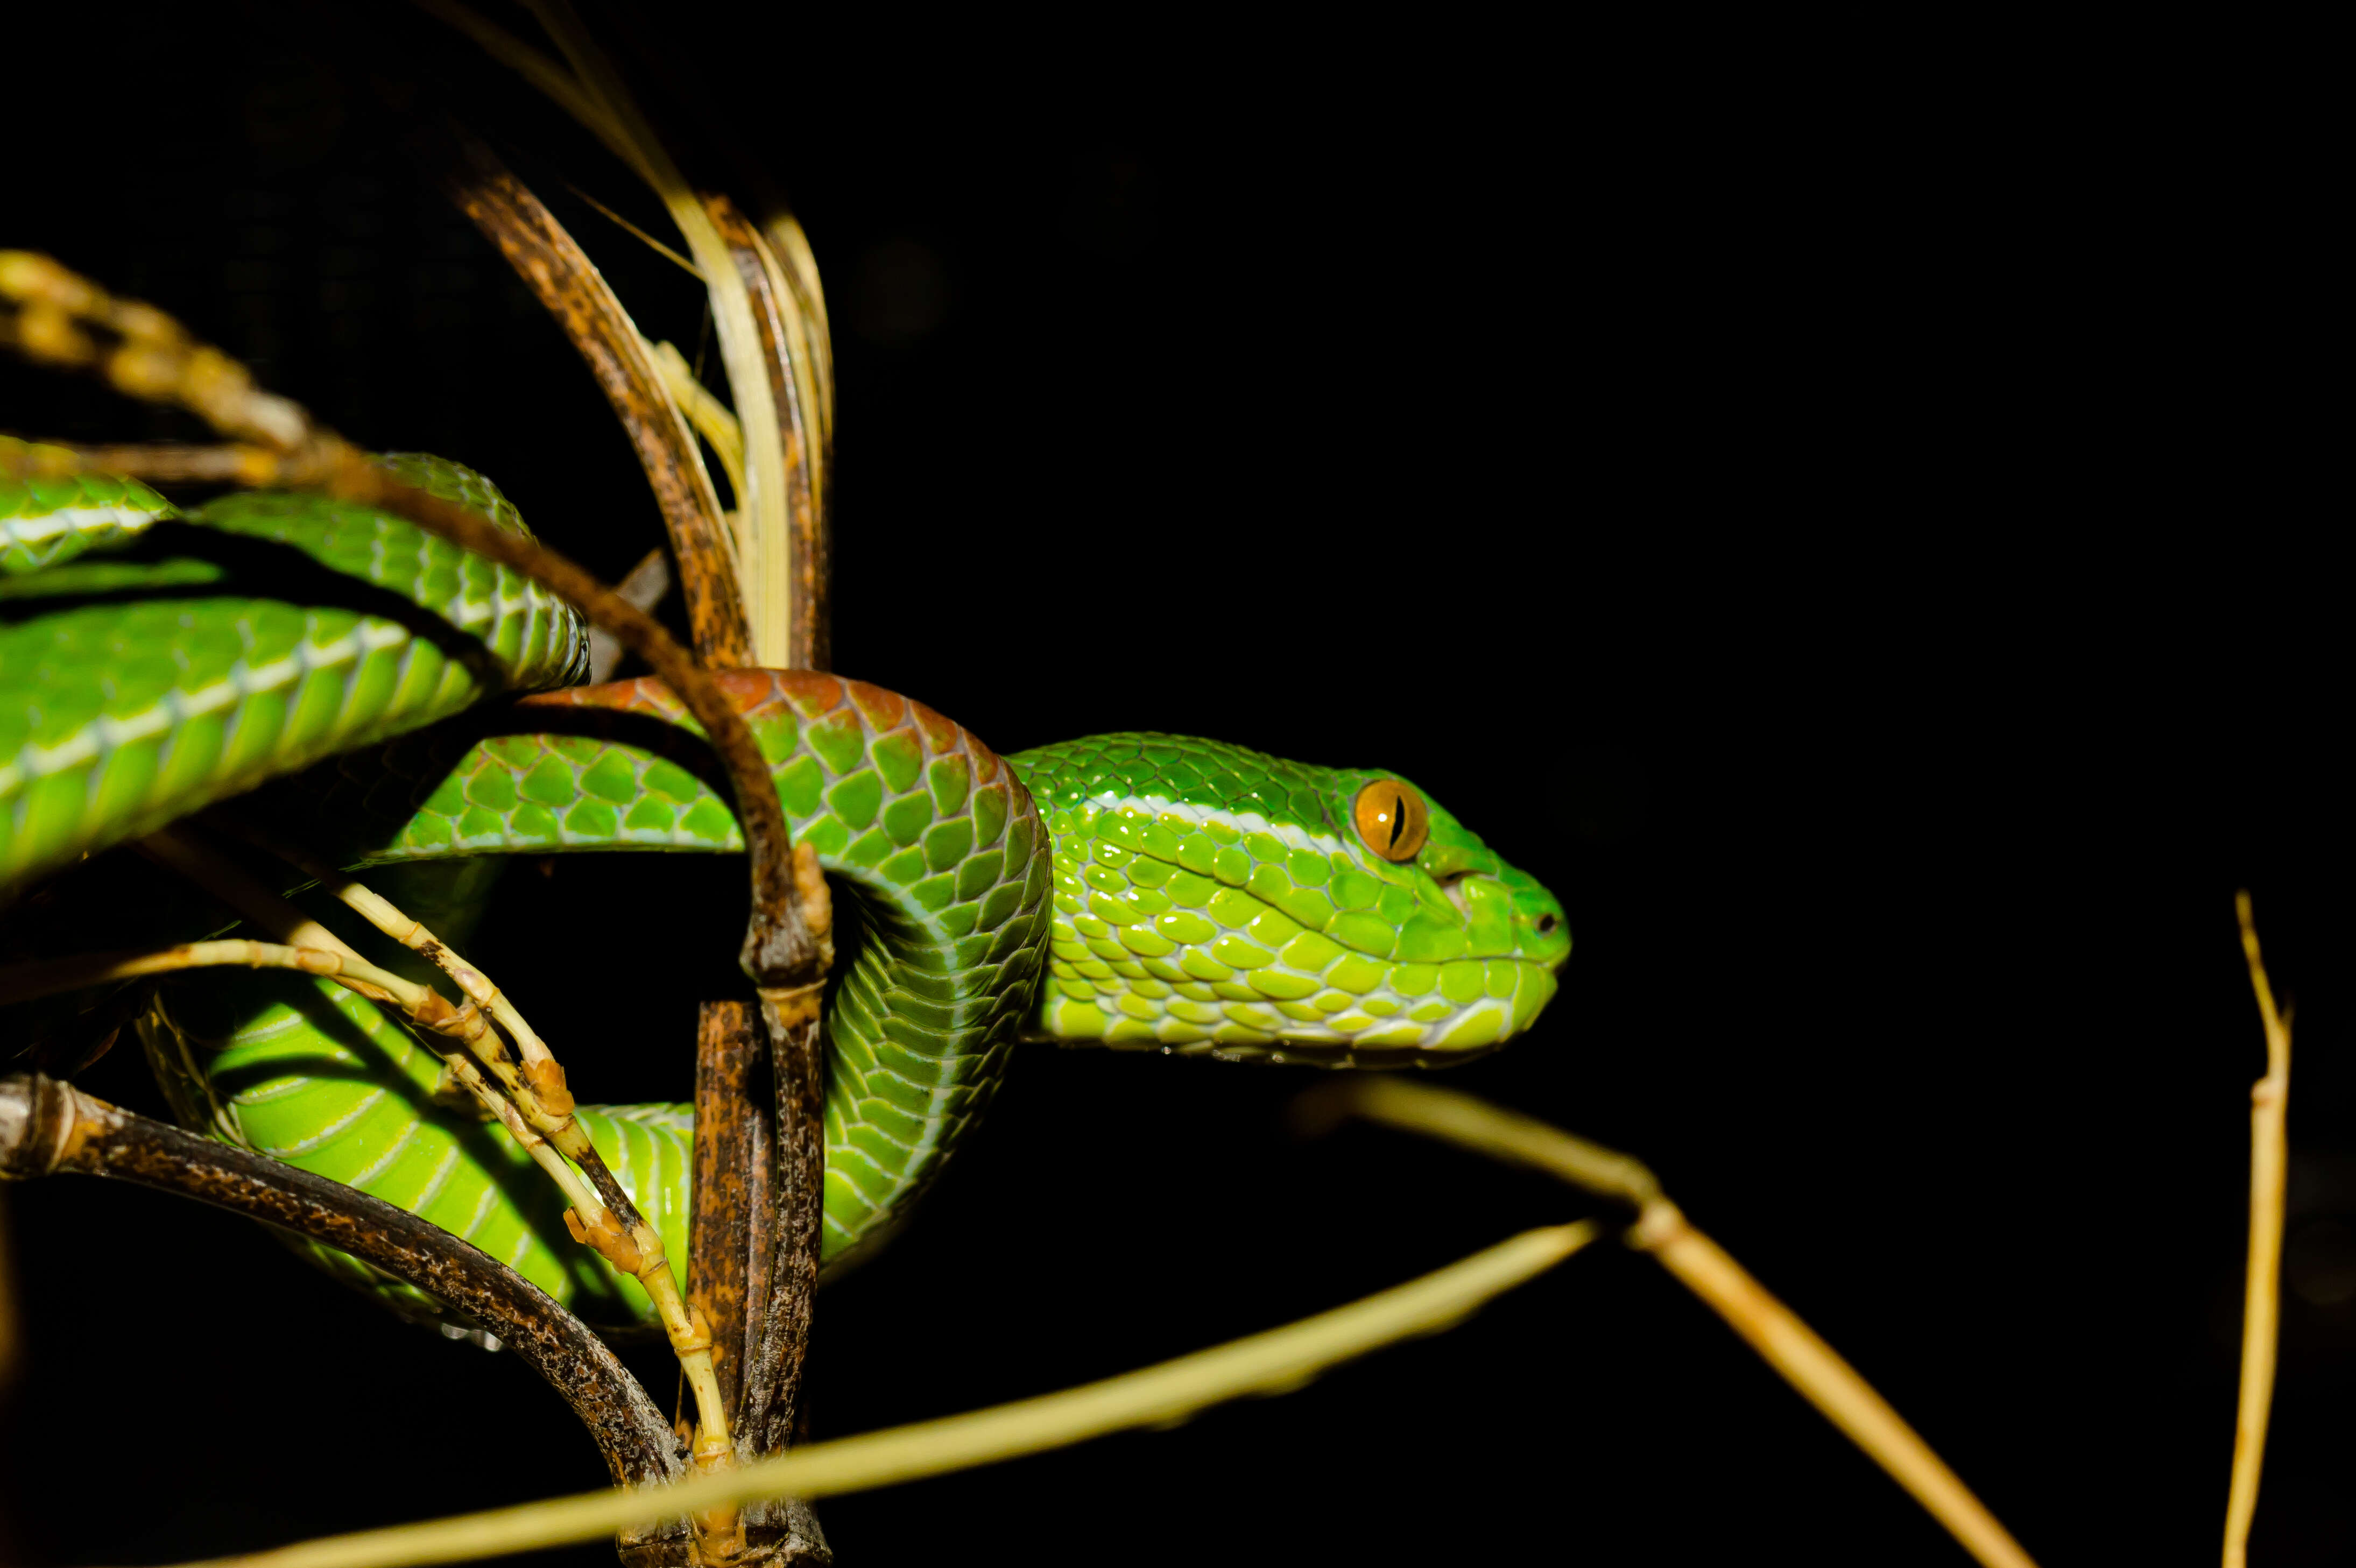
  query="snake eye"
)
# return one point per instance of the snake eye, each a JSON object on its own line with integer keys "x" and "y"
{"x": 1392, "y": 819}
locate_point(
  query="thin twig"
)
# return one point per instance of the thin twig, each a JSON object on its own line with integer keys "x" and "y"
{"x": 50, "y": 976}
{"x": 180, "y": 852}
{"x": 49, "y": 1128}
{"x": 2262, "y": 1285}
{"x": 535, "y": 1085}
{"x": 1769, "y": 1328}
{"x": 1276, "y": 1362}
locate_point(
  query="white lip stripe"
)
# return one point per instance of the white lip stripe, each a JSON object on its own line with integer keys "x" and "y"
{"x": 1286, "y": 833}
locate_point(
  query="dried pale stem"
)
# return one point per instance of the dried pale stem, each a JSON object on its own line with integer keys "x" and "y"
{"x": 2262, "y": 1285}
{"x": 763, "y": 504}
{"x": 382, "y": 914}
{"x": 792, "y": 347}
{"x": 145, "y": 353}
{"x": 1797, "y": 1352}
{"x": 1273, "y": 1362}
{"x": 50, "y": 976}
{"x": 593, "y": 92}
{"x": 609, "y": 1222}
{"x": 180, "y": 852}
{"x": 709, "y": 416}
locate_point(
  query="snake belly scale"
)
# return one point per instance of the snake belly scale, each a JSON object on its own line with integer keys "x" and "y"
{"x": 1144, "y": 890}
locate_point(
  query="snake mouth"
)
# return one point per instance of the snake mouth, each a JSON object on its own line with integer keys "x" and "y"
{"x": 1305, "y": 1053}
{"x": 1333, "y": 1054}
{"x": 1470, "y": 1026}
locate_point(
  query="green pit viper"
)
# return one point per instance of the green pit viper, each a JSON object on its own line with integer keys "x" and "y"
{"x": 356, "y": 681}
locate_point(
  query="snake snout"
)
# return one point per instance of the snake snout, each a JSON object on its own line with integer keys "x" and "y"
{"x": 1543, "y": 933}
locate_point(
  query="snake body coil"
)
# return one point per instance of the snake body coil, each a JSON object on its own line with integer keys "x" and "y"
{"x": 1145, "y": 891}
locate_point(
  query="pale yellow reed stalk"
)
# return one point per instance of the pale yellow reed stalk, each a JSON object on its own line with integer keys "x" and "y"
{"x": 2262, "y": 1282}
{"x": 1765, "y": 1324}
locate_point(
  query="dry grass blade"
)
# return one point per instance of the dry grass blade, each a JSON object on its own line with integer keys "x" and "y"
{"x": 576, "y": 296}
{"x": 1276, "y": 1362}
{"x": 2262, "y": 1283}
{"x": 790, "y": 344}
{"x": 1772, "y": 1329}
{"x": 594, "y": 94}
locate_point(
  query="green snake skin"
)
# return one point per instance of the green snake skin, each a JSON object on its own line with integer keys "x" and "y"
{"x": 45, "y": 522}
{"x": 142, "y": 684}
{"x": 1161, "y": 893}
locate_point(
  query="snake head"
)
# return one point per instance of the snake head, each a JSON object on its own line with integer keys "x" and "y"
{"x": 1213, "y": 900}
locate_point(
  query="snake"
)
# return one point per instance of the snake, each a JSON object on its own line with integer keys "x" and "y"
{"x": 415, "y": 714}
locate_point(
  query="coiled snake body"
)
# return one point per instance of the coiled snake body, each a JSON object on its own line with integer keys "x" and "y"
{"x": 353, "y": 679}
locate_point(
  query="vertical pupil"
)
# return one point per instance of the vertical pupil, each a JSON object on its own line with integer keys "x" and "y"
{"x": 1398, "y": 819}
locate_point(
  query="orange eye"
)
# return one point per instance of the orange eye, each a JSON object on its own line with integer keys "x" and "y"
{"x": 1392, "y": 819}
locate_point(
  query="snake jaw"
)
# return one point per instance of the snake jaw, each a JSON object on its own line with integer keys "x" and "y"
{"x": 1206, "y": 904}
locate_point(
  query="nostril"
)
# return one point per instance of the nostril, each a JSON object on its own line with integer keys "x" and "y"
{"x": 1547, "y": 923}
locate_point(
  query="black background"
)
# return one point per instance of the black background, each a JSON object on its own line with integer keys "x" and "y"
{"x": 1835, "y": 500}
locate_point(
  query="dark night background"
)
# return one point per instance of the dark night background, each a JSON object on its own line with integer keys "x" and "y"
{"x": 1836, "y": 501}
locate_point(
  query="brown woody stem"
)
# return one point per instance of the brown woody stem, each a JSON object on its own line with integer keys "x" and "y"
{"x": 569, "y": 286}
{"x": 48, "y": 1127}
{"x": 534, "y": 1085}
{"x": 731, "y": 1241}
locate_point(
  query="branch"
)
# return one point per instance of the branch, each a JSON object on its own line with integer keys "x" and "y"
{"x": 48, "y": 1127}
{"x": 2262, "y": 1286}
{"x": 730, "y": 1241}
{"x": 777, "y": 1339}
{"x": 1765, "y": 1324}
